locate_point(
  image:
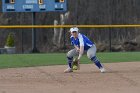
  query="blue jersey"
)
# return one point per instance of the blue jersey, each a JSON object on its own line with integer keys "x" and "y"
{"x": 81, "y": 40}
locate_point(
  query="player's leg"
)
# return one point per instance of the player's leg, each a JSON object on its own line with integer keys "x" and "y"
{"x": 91, "y": 53}
{"x": 70, "y": 56}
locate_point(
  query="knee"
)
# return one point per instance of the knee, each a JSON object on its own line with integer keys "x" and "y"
{"x": 69, "y": 55}
{"x": 89, "y": 56}
{"x": 94, "y": 58}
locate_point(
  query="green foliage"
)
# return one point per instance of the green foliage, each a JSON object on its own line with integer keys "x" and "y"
{"x": 10, "y": 40}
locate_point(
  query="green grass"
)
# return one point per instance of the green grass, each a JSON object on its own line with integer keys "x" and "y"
{"x": 30, "y": 60}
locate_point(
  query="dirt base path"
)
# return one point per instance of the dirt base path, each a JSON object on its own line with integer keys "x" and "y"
{"x": 119, "y": 78}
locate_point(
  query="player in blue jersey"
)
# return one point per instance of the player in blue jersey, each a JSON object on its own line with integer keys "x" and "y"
{"x": 82, "y": 43}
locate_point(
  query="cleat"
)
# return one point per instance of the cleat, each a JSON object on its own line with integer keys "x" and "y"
{"x": 68, "y": 70}
{"x": 102, "y": 70}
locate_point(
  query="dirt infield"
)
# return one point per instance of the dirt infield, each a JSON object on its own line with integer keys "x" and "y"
{"x": 119, "y": 78}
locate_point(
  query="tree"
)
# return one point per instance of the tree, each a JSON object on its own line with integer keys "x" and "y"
{"x": 10, "y": 42}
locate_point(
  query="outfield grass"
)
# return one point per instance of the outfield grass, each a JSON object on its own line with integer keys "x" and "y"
{"x": 30, "y": 60}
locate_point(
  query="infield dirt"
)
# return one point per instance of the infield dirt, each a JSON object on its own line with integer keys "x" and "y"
{"x": 119, "y": 78}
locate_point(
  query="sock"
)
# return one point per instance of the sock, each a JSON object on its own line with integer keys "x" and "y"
{"x": 97, "y": 62}
{"x": 70, "y": 61}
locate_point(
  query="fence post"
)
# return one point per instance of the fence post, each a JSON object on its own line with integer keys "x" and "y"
{"x": 110, "y": 39}
{"x": 34, "y": 48}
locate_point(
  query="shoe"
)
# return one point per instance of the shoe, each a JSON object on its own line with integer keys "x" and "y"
{"x": 102, "y": 70}
{"x": 68, "y": 70}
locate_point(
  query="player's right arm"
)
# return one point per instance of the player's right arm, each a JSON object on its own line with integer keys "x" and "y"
{"x": 81, "y": 49}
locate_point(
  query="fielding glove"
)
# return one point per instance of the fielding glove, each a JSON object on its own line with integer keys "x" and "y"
{"x": 75, "y": 64}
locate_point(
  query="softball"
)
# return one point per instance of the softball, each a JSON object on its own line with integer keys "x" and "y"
{"x": 75, "y": 67}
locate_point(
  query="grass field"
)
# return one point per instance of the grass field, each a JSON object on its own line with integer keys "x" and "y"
{"x": 30, "y": 60}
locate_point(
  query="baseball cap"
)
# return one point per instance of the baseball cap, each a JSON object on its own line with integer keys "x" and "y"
{"x": 74, "y": 29}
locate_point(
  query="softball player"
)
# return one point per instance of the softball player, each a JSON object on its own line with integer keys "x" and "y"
{"x": 81, "y": 44}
